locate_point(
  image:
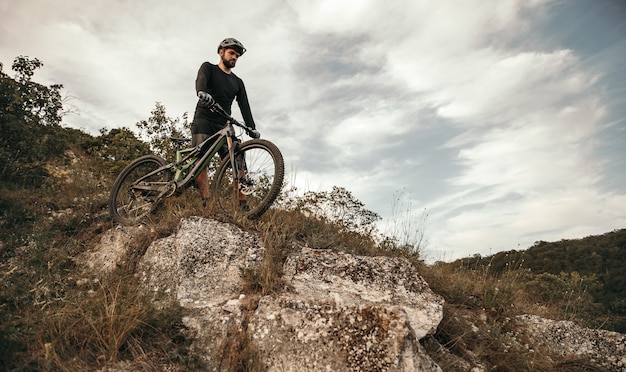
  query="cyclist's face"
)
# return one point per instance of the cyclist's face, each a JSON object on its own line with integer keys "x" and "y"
{"x": 229, "y": 57}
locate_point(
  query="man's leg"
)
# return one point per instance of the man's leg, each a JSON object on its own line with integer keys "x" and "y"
{"x": 203, "y": 177}
{"x": 240, "y": 159}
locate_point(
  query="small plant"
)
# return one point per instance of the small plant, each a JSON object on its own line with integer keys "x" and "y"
{"x": 569, "y": 294}
{"x": 158, "y": 129}
{"x": 405, "y": 230}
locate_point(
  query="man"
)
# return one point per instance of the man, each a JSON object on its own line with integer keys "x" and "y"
{"x": 217, "y": 83}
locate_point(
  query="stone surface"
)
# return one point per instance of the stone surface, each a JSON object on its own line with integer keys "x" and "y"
{"x": 199, "y": 266}
{"x": 357, "y": 280}
{"x": 347, "y": 313}
{"x": 340, "y": 312}
{"x": 603, "y": 348}
{"x": 110, "y": 251}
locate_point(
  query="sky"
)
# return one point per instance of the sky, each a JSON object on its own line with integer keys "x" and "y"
{"x": 503, "y": 122}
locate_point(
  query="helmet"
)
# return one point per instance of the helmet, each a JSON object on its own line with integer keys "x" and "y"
{"x": 232, "y": 43}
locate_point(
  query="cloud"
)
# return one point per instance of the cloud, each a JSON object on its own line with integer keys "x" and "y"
{"x": 548, "y": 216}
{"x": 532, "y": 173}
{"x": 480, "y": 110}
{"x": 521, "y": 118}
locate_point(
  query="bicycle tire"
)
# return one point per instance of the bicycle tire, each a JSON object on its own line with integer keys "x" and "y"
{"x": 128, "y": 206}
{"x": 265, "y": 171}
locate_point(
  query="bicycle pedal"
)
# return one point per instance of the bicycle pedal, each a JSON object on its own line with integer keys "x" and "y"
{"x": 244, "y": 190}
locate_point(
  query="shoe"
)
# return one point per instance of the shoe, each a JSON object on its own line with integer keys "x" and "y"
{"x": 245, "y": 180}
{"x": 245, "y": 185}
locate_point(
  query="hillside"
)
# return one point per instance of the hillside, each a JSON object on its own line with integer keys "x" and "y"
{"x": 597, "y": 261}
{"x": 56, "y": 315}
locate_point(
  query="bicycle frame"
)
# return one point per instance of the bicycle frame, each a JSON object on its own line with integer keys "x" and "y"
{"x": 187, "y": 158}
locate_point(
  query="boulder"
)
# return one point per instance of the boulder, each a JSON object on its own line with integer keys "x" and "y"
{"x": 339, "y": 312}
{"x": 110, "y": 251}
{"x": 347, "y": 312}
{"x": 604, "y": 349}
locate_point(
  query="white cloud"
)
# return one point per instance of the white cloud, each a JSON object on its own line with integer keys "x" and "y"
{"x": 493, "y": 127}
{"x": 329, "y": 16}
{"x": 549, "y": 216}
{"x": 533, "y": 175}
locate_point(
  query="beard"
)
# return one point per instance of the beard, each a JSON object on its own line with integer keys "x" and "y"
{"x": 230, "y": 63}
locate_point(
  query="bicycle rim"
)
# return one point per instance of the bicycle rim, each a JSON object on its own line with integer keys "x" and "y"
{"x": 257, "y": 185}
{"x": 128, "y": 204}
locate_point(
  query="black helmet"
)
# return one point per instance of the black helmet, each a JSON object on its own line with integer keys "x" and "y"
{"x": 232, "y": 43}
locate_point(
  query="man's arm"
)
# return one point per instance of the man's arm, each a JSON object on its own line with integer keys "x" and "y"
{"x": 202, "y": 80}
{"x": 244, "y": 106}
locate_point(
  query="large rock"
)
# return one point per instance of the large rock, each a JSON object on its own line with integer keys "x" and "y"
{"x": 604, "y": 349}
{"x": 199, "y": 266}
{"x": 341, "y": 312}
{"x": 338, "y": 312}
{"x": 110, "y": 251}
{"x": 347, "y": 313}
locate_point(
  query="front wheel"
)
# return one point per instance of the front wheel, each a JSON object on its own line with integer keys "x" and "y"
{"x": 129, "y": 203}
{"x": 256, "y": 183}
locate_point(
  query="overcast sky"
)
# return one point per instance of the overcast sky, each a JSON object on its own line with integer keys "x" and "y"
{"x": 503, "y": 119}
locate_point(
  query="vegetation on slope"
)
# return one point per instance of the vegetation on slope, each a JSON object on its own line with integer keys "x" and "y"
{"x": 568, "y": 271}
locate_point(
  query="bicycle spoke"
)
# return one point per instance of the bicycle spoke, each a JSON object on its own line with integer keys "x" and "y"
{"x": 131, "y": 200}
{"x": 257, "y": 183}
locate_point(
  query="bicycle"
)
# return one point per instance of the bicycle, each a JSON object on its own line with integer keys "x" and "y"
{"x": 249, "y": 190}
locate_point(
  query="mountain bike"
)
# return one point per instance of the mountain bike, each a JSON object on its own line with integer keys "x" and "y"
{"x": 246, "y": 182}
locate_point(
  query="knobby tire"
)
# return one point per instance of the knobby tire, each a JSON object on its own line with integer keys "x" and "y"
{"x": 128, "y": 206}
{"x": 264, "y": 174}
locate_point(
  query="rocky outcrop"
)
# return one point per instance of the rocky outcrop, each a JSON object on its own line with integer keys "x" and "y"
{"x": 110, "y": 251}
{"x": 346, "y": 312}
{"x": 340, "y": 312}
{"x": 337, "y": 311}
{"x": 563, "y": 338}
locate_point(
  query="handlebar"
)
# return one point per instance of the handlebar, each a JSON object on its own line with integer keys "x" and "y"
{"x": 217, "y": 108}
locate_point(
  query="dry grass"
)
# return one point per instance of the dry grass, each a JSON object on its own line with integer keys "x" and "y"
{"x": 102, "y": 326}
{"x": 236, "y": 351}
{"x": 481, "y": 303}
{"x": 53, "y": 317}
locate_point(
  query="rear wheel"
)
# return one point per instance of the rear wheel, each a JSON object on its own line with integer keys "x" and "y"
{"x": 260, "y": 175}
{"x": 136, "y": 191}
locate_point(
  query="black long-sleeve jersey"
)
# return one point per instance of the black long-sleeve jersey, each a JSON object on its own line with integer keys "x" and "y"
{"x": 224, "y": 88}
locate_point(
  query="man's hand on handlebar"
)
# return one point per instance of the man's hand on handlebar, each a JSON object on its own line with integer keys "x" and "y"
{"x": 206, "y": 98}
{"x": 254, "y": 133}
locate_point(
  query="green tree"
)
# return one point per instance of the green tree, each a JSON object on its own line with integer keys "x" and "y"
{"x": 29, "y": 100}
{"x": 30, "y": 116}
{"x": 341, "y": 207}
{"x": 158, "y": 129}
{"x": 116, "y": 148}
